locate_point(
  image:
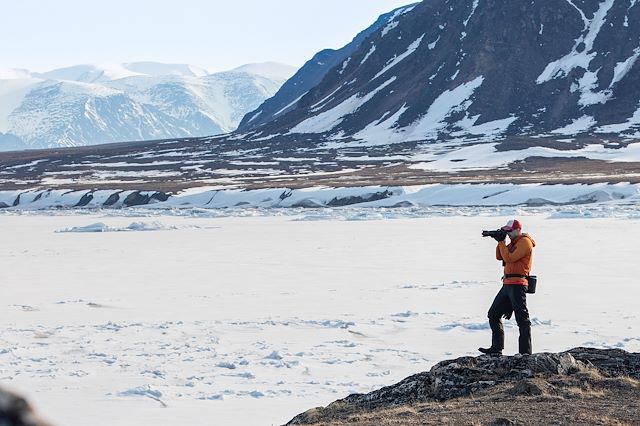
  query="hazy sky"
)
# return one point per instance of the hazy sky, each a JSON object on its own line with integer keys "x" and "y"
{"x": 41, "y": 35}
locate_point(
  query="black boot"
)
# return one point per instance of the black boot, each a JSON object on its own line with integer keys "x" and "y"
{"x": 491, "y": 351}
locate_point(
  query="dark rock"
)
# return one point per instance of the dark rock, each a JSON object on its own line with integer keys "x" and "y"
{"x": 136, "y": 199}
{"x": 113, "y": 198}
{"x": 532, "y": 387}
{"x": 286, "y": 194}
{"x": 345, "y": 201}
{"x": 468, "y": 375}
{"x": 501, "y": 421}
{"x": 16, "y": 411}
{"x": 308, "y": 203}
{"x": 610, "y": 362}
{"x": 159, "y": 196}
{"x": 404, "y": 204}
{"x": 86, "y": 199}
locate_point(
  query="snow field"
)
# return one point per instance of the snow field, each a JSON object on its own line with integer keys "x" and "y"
{"x": 250, "y": 320}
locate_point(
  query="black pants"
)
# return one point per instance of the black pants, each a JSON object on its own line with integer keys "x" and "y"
{"x": 510, "y": 298}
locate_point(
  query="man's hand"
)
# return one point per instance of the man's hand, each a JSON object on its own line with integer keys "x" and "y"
{"x": 500, "y": 236}
{"x": 507, "y": 315}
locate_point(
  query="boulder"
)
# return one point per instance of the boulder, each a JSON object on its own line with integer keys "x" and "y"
{"x": 16, "y": 411}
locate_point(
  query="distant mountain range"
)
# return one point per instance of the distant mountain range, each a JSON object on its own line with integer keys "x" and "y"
{"x": 91, "y": 104}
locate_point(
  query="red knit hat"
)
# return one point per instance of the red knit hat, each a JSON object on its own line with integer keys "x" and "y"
{"x": 511, "y": 225}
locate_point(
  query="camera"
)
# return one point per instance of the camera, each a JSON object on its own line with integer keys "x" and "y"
{"x": 498, "y": 234}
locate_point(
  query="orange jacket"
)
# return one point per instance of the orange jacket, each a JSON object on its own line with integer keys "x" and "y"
{"x": 517, "y": 258}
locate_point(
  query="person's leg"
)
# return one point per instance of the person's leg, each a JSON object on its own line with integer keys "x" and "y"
{"x": 518, "y": 297}
{"x": 501, "y": 305}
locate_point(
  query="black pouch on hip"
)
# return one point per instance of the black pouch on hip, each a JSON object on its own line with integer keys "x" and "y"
{"x": 532, "y": 280}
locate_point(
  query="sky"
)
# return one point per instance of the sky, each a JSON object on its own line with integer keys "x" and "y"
{"x": 41, "y": 35}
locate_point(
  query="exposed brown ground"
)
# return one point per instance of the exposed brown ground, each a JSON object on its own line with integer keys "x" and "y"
{"x": 585, "y": 398}
{"x": 228, "y": 163}
{"x": 533, "y": 170}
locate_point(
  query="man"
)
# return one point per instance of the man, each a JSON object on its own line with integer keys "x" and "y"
{"x": 517, "y": 259}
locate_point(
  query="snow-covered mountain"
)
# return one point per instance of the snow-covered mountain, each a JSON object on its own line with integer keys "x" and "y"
{"x": 480, "y": 70}
{"x": 310, "y": 75}
{"x": 93, "y": 104}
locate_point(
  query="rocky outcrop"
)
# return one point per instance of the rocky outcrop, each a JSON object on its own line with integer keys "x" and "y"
{"x": 525, "y": 375}
{"x": 50, "y": 199}
{"x": 16, "y": 411}
{"x": 611, "y": 362}
{"x": 356, "y": 197}
{"x": 347, "y": 201}
{"x": 139, "y": 199}
{"x": 86, "y": 199}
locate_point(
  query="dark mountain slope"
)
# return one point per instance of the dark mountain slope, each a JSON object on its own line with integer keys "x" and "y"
{"x": 482, "y": 68}
{"x": 310, "y": 75}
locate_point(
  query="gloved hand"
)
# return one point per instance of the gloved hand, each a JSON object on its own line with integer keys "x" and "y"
{"x": 507, "y": 315}
{"x": 500, "y": 236}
